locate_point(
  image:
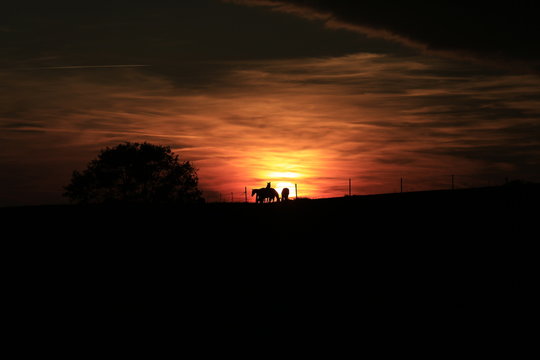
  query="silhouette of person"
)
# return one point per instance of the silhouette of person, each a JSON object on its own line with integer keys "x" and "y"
{"x": 268, "y": 185}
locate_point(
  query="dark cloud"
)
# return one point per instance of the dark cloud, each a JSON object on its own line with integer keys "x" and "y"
{"x": 169, "y": 35}
{"x": 498, "y": 32}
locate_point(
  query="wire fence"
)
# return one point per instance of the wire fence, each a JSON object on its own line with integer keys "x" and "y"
{"x": 350, "y": 187}
{"x": 244, "y": 196}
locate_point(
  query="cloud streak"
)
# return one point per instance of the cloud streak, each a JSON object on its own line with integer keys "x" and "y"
{"x": 364, "y": 116}
{"x": 79, "y": 67}
{"x": 495, "y": 34}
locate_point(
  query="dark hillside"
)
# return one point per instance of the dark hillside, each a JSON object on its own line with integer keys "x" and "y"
{"x": 439, "y": 270}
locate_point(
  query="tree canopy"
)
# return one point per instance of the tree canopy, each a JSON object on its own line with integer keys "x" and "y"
{"x": 133, "y": 172}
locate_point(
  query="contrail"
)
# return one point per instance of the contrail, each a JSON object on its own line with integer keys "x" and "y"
{"x": 90, "y": 67}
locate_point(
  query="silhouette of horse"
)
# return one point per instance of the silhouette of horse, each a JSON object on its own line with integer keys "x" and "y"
{"x": 285, "y": 194}
{"x": 256, "y": 192}
{"x": 273, "y": 195}
{"x": 265, "y": 193}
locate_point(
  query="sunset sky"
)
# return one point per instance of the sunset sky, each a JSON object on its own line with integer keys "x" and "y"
{"x": 257, "y": 91}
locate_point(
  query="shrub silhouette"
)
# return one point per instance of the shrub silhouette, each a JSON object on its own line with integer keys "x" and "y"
{"x": 133, "y": 172}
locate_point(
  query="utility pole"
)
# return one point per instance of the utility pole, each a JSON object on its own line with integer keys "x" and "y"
{"x": 349, "y": 186}
{"x": 296, "y": 190}
{"x": 245, "y": 193}
{"x": 401, "y": 186}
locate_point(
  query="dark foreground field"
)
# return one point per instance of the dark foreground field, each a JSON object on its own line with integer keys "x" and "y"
{"x": 432, "y": 273}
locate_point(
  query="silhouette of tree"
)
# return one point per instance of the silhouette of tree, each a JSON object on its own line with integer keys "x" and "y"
{"x": 133, "y": 172}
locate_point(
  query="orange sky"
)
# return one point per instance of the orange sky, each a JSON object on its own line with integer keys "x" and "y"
{"x": 316, "y": 122}
{"x": 252, "y": 97}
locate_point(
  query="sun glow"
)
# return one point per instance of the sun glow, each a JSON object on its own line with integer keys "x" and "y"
{"x": 284, "y": 179}
{"x": 292, "y": 168}
{"x": 283, "y": 174}
{"x": 280, "y": 185}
